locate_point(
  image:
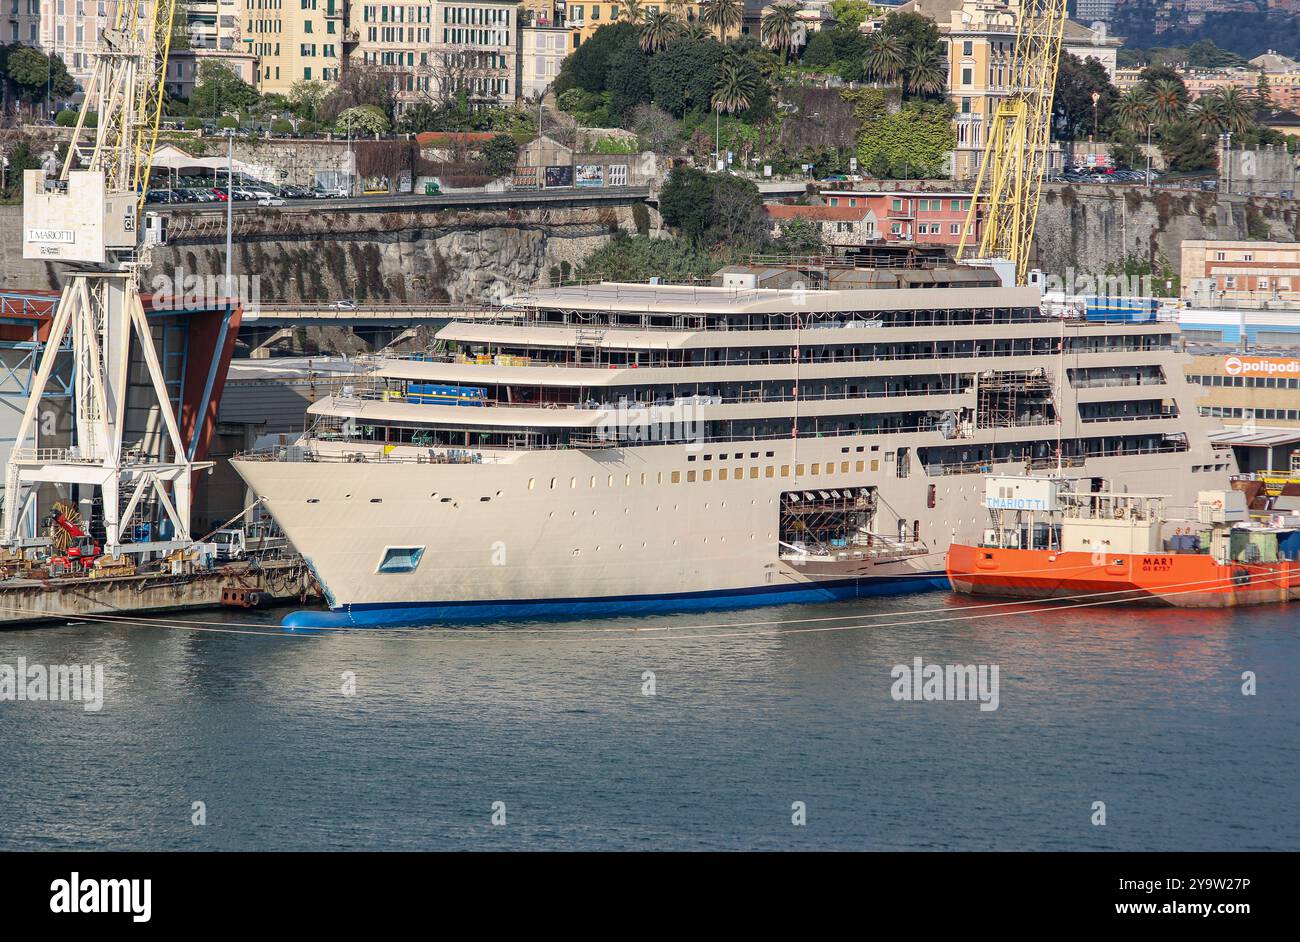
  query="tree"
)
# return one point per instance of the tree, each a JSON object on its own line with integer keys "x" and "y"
{"x": 735, "y": 89}
{"x": 629, "y": 11}
{"x": 851, "y": 14}
{"x": 361, "y": 83}
{"x": 656, "y": 130}
{"x": 628, "y": 81}
{"x": 658, "y": 30}
{"x": 682, "y": 76}
{"x": 1133, "y": 110}
{"x": 500, "y": 155}
{"x": 36, "y": 75}
{"x": 724, "y": 16}
{"x": 885, "y": 56}
{"x": 305, "y": 97}
{"x": 1072, "y": 106}
{"x": 684, "y": 202}
{"x": 363, "y": 119}
{"x": 925, "y": 72}
{"x": 1186, "y": 149}
{"x": 220, "y": 90}
{"x": 1168, "y": 101}
{"x": 800, "y": 236}
{"x": 780, "y": 28}
{"x": 709, "y": 209}
{"x": 1263, "y": 93}
{"x": 588, "y": 66}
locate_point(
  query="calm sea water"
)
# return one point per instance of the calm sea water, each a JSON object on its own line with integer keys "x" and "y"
{"x": 1139, "y": 709}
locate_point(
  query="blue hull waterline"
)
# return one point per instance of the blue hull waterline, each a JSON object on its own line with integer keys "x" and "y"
{"x": 398, "y": 615}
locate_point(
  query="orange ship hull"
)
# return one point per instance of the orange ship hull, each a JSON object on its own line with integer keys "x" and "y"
{"x": 1182, "y": 580}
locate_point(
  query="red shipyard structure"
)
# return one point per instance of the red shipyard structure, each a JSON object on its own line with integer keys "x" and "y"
{"x": 796, "y": 431}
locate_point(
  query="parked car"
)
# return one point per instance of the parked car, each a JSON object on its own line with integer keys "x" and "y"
{"x": 270, "y": 201}
{"x": 334, "y": 193}
{"x": 220, "y": 193}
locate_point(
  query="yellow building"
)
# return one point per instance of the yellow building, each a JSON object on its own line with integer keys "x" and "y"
{"x": 584, "y": 18}
{"x": 294, "y": 40}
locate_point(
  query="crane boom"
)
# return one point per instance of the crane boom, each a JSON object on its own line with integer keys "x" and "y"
{"x": 1014, "y": 162}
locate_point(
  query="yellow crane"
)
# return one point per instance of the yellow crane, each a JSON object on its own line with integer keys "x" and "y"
{"x": 1014, "y": 161}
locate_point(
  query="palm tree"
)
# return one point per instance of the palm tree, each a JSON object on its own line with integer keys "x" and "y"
{"x": 925, "y": 74}
{"x": 885, "y": 56}
{"x": 723, "y": 15}
{"x": 629, "y": 11}
{"x": 780, "y": 28}
{"x": 658, "y": 30}
{"x": 695, "y": 32}
{"x": 1168, "y": 102}
{"x": 735, "y": 89}
{"x": 678, "y": 9}
{"x": 1238, "y": 109}
{"x": 1134, "y": 109}
{"x": 1208, "y": 114}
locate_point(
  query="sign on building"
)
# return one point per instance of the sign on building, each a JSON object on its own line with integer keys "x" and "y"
{"x": 559, "y": 176}
{"x": 618, "y": 175}
{"x": 589, "y": 175}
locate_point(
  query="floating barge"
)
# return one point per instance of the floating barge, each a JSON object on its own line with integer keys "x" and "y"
{"x": 142, "y": 595}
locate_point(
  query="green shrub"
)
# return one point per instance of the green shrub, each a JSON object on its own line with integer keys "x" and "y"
{"x": 282, "y": 126}
{"x": 227, "y": 121}
{"x": 66, "y": 118}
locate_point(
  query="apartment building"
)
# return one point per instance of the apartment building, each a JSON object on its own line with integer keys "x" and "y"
{"x": 1263, "y": 273}
{"x": 66, "y": 28}
{"x": 855, "y": 217}
{"x": 293, "y": 40}
{"x": 542, "y": 49}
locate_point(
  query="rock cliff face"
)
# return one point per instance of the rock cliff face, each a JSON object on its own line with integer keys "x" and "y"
{"x": 1088, "y": 228}
{"x": 395, "y": 257}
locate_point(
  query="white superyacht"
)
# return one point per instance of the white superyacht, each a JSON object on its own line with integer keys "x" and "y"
{"x": 799, "y": 430}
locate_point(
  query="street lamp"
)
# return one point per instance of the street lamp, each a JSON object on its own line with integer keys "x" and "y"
{"x": 1096, "y": 97}
{"x": 1148, "y": 155}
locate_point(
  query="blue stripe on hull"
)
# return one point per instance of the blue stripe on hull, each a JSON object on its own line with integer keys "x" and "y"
{"x": 401, "y": 614}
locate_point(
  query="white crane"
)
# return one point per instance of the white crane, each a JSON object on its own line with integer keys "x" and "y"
{"x": 89, "y": 218}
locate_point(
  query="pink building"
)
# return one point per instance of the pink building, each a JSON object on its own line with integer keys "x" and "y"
{"x": 910, "y": 215}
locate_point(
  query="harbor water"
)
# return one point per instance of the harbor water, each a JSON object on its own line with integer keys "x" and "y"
{"x": 220, "y": 731}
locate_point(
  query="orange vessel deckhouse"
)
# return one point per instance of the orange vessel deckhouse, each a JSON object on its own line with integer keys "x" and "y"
{"x": 1047, "y": 538}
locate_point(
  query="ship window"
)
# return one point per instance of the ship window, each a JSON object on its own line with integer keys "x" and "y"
{"x": 376, "y": 500}
{"x": 609, "y": 481}
{"x": 401, "y": 558}
{"x": 859, "y": 466}
{"x": 531, "y": 483}
{"x": 798, "y": 470}
{"x": 739, "y": 475}
{"x": 844, "y": 467}
{"x": 690, "y": 477}
{"x": 690, "y": 457}
{"x": 313, "y": 500}
{"x": 768, "y": 471}
{"x": 785, "y": 470}
{"x": 708, "y": 475}
{"x": 859, "y": 448}
{"x": 677, "y": 477}
{"x": 592, "y": 482}
{"x": 722, "y": 474}
{"x": 875, "y": 465}
{"x": 770, "y": 454}
{"x": 753, "y": 472}
{"x": 573, "y": 482}
{"x": 753, "y": 454}
{"x": 552, "y": 483}
{"x": 816, "y": 468}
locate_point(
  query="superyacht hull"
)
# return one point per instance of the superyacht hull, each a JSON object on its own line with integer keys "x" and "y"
{"x": 578, "y": 533}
